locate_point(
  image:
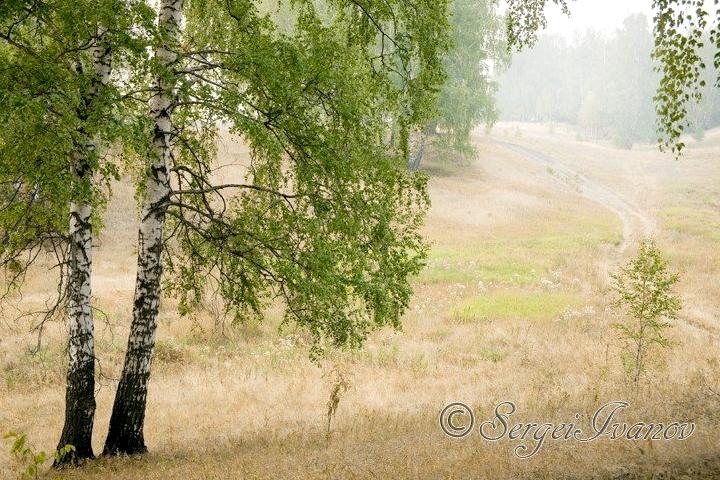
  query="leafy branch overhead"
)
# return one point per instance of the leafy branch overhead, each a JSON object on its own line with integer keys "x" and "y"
{"x": 49, "y": 117}
{"x": 525, "y": 18}
{"x": 682, "y": 30}
{"x": 327, "y": 219}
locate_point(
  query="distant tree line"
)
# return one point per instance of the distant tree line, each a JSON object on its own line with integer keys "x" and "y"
{"x": 603, "y": 85}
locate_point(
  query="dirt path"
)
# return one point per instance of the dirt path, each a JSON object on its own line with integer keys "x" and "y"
{"x": 637, "y": 223}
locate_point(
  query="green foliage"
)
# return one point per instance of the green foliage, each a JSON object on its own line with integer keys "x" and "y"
{"x": 327, "y": 219}
{"x": 525, "y": 18}
{"x": 682, "y": 30}
{"x": 644, "y": 290}
{"x": 53, "y": 110}
{"x": 467, "y": 97}
{"x": 29, "y": 459}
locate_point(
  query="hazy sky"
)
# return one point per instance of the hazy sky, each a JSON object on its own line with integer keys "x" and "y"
{"x": 602, "y": 15}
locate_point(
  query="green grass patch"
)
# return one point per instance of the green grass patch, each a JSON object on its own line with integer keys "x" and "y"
{"x": 493, "y": 355}
{"x": 520, "y": 258}
{"x": 497, "y": 270}
{"x": 696, "y": 222}
{"x": 511, "y": 305}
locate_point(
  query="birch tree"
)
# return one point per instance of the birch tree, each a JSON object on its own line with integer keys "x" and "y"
{"x": 125, "y": 433}
{"x": 326, "y": 222}
{"x": 57, "y": 117}
{"x": 467, "y": 97}
{"x": 80, "y": 393}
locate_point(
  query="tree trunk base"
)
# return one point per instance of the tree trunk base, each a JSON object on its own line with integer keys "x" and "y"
{"x": 125, "y": 435}
{"x": 74, "y": 458}
{"x": 79, "y": 416}
{"x": 117, "y": 445}
{"x": 122, "y": 440}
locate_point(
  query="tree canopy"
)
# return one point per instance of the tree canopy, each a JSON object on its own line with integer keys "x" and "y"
{"x": 467, "y": 97}
{"x": 54, "y": 109}
{"x": 327, "y": 219}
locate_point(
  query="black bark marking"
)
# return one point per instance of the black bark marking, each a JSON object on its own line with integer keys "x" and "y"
{"x": 79, "y": 413}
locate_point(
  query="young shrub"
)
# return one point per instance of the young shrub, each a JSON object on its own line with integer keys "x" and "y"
{"x": 644, "y": 290}
{"x": 29, "y": 460}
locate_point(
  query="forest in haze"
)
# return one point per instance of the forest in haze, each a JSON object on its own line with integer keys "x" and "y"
{"x": 602, "y": 84}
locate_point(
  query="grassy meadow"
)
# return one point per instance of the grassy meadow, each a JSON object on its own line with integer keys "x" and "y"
{"x": 513, "y": 305}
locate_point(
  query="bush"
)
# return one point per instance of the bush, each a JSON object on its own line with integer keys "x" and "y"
{"x": 29, "y": 460}
{"x": 644, "y": 294}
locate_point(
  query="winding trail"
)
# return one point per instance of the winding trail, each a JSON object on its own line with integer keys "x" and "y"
{"x": 637, "y": 224}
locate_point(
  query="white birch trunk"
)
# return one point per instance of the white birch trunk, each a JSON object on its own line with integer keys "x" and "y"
{"x": 80, "y": 391}
{"x": 126, "y": 423}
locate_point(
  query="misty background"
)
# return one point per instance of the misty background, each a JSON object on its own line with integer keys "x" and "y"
{"x": 600, "y": 80}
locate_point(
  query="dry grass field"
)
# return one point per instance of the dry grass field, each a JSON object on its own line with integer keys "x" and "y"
{"x": 513, "y": 305}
